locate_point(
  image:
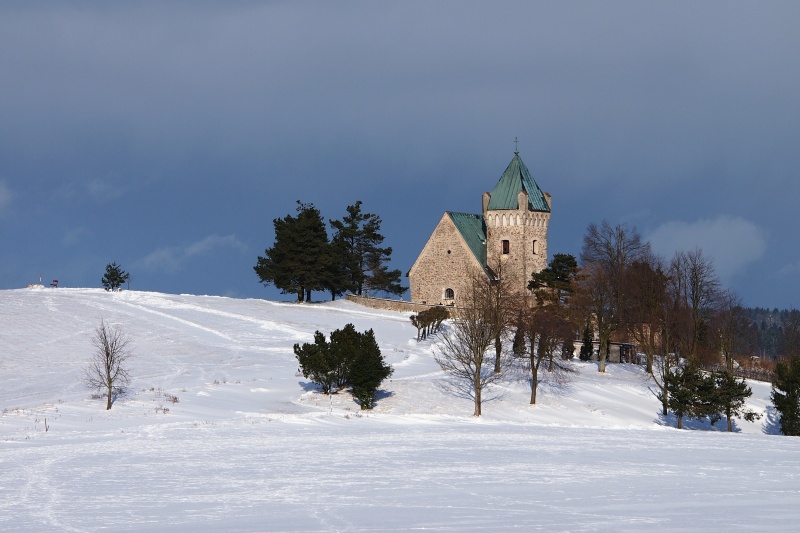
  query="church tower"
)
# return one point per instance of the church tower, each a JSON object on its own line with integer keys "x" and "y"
{"x": 508, "y": 239}
{"x": 516, "y": 214}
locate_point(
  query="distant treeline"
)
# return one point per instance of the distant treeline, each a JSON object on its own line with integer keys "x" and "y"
{"x": 772, "y": 331}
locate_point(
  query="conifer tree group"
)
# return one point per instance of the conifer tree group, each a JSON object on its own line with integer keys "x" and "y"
{"x": 697, "y": 394}
{"x": 303, "y": 259}
{"x": 349, "y": 359}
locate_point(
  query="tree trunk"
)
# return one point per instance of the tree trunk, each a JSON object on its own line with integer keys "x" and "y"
{"x": 601, "y": 366}
{"x": 651, "y": 349}
{"x": 308, "y": 295}
{"x": 300, "y": 294}
{"x": 498, "y": 348}
{"x": 730, "y": 422}
{"x": 534, "y": 380}
{"x": 477, "y": 385}
{"x": 680, "y": 421}
{"x": 110, "y": 392}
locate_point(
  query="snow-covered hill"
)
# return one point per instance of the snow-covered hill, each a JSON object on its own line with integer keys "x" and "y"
{"x": 250, "y": 445}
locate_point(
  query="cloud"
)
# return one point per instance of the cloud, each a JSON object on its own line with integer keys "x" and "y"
{"x": 5, "y": 196}
{"x": 104, "y": 190}
{"x": 791, "y": 269}
{"x": 75, "y": 236}
{"x": 732, "y": 242}
{"x": 171, "y": 258}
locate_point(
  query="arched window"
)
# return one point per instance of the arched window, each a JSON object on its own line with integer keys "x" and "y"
{"x": 506, "y": 247}
{"x": 535, "y": 247}
{"x": 449, "y": 294}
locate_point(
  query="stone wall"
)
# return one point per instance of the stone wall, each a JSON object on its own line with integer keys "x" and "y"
{"x": 387, "y": 304}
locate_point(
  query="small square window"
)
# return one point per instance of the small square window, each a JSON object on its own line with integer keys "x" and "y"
{"x": 506, "y": 247}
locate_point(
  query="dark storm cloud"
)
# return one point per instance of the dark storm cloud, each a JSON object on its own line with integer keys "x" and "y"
{"x": 137, "y": 129}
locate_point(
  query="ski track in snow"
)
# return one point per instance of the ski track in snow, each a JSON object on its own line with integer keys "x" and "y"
{"x": 251, "y": 446}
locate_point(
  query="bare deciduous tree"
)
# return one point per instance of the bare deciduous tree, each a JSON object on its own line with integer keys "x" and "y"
{"x": 731, "y": 326}
{"x": 541, "y": 332}
{"x": 107, "y": 369}
{"x": 697, "y": 290}
{"x": 498, "y": 300}
{"x": 672, "y": 320}
{"x": 606, "y": 255}
{"x": 594, "y": 299}
{"x": 463, "y": 348}
{"x": 644, "y": 307}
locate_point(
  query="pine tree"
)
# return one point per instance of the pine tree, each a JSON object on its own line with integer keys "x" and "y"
{"x": 692, "y": 394}
{"x": 731, "y": 396}
{"x": 368, "y": 370}
{"x": 114, "y": 277}
{"x": 786, "y": 395}
{"x": 587, "y": 344}
{"x": 337, "y": 281}
{"x": 345, "y": 347}
{"x": 299, "y": 261}
{"x": 363, "y": 258}
{"x": 558, "y": 277}
{"x": 316, "y": 362}
{"x": 380, "y": 278}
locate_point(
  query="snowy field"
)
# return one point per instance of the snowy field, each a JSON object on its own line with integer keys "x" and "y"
{"x": 251, "y": 446}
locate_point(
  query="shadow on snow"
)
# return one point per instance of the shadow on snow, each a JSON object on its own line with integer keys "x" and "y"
{"x": 695, "y": 424}
{"x": 772, "y": 422}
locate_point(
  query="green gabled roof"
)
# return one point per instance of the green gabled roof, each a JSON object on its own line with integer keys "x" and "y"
{"x": 517, "y": 178}
{"x": 473, "y": 230}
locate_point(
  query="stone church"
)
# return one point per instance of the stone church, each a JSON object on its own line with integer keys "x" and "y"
{"x": 509, "y": 237}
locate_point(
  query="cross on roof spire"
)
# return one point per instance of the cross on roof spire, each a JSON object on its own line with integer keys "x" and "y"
{"x": 516, "y": 146}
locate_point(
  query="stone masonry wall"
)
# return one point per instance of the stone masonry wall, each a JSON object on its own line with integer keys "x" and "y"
{"x": 387, "y": 304}
{"x": 444, "y": 263}
{"x": 521, "y": 228}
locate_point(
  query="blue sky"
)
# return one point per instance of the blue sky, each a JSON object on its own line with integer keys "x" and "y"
{"x": 168, "y": 137}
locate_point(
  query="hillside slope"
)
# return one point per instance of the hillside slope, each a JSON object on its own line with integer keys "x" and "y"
{"x": 231, "y": 357}
{"x": 250, "y": 445}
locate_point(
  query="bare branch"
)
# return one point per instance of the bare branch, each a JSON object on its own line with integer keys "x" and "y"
{"x": 107, "y": 370}
{"x": 462, "y": 351}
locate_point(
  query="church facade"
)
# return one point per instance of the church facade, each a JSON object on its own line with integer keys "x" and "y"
{"x": 508, "y": 239}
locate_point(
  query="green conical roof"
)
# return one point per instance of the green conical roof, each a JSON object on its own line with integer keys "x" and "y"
{"x": 517, "y": 178}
